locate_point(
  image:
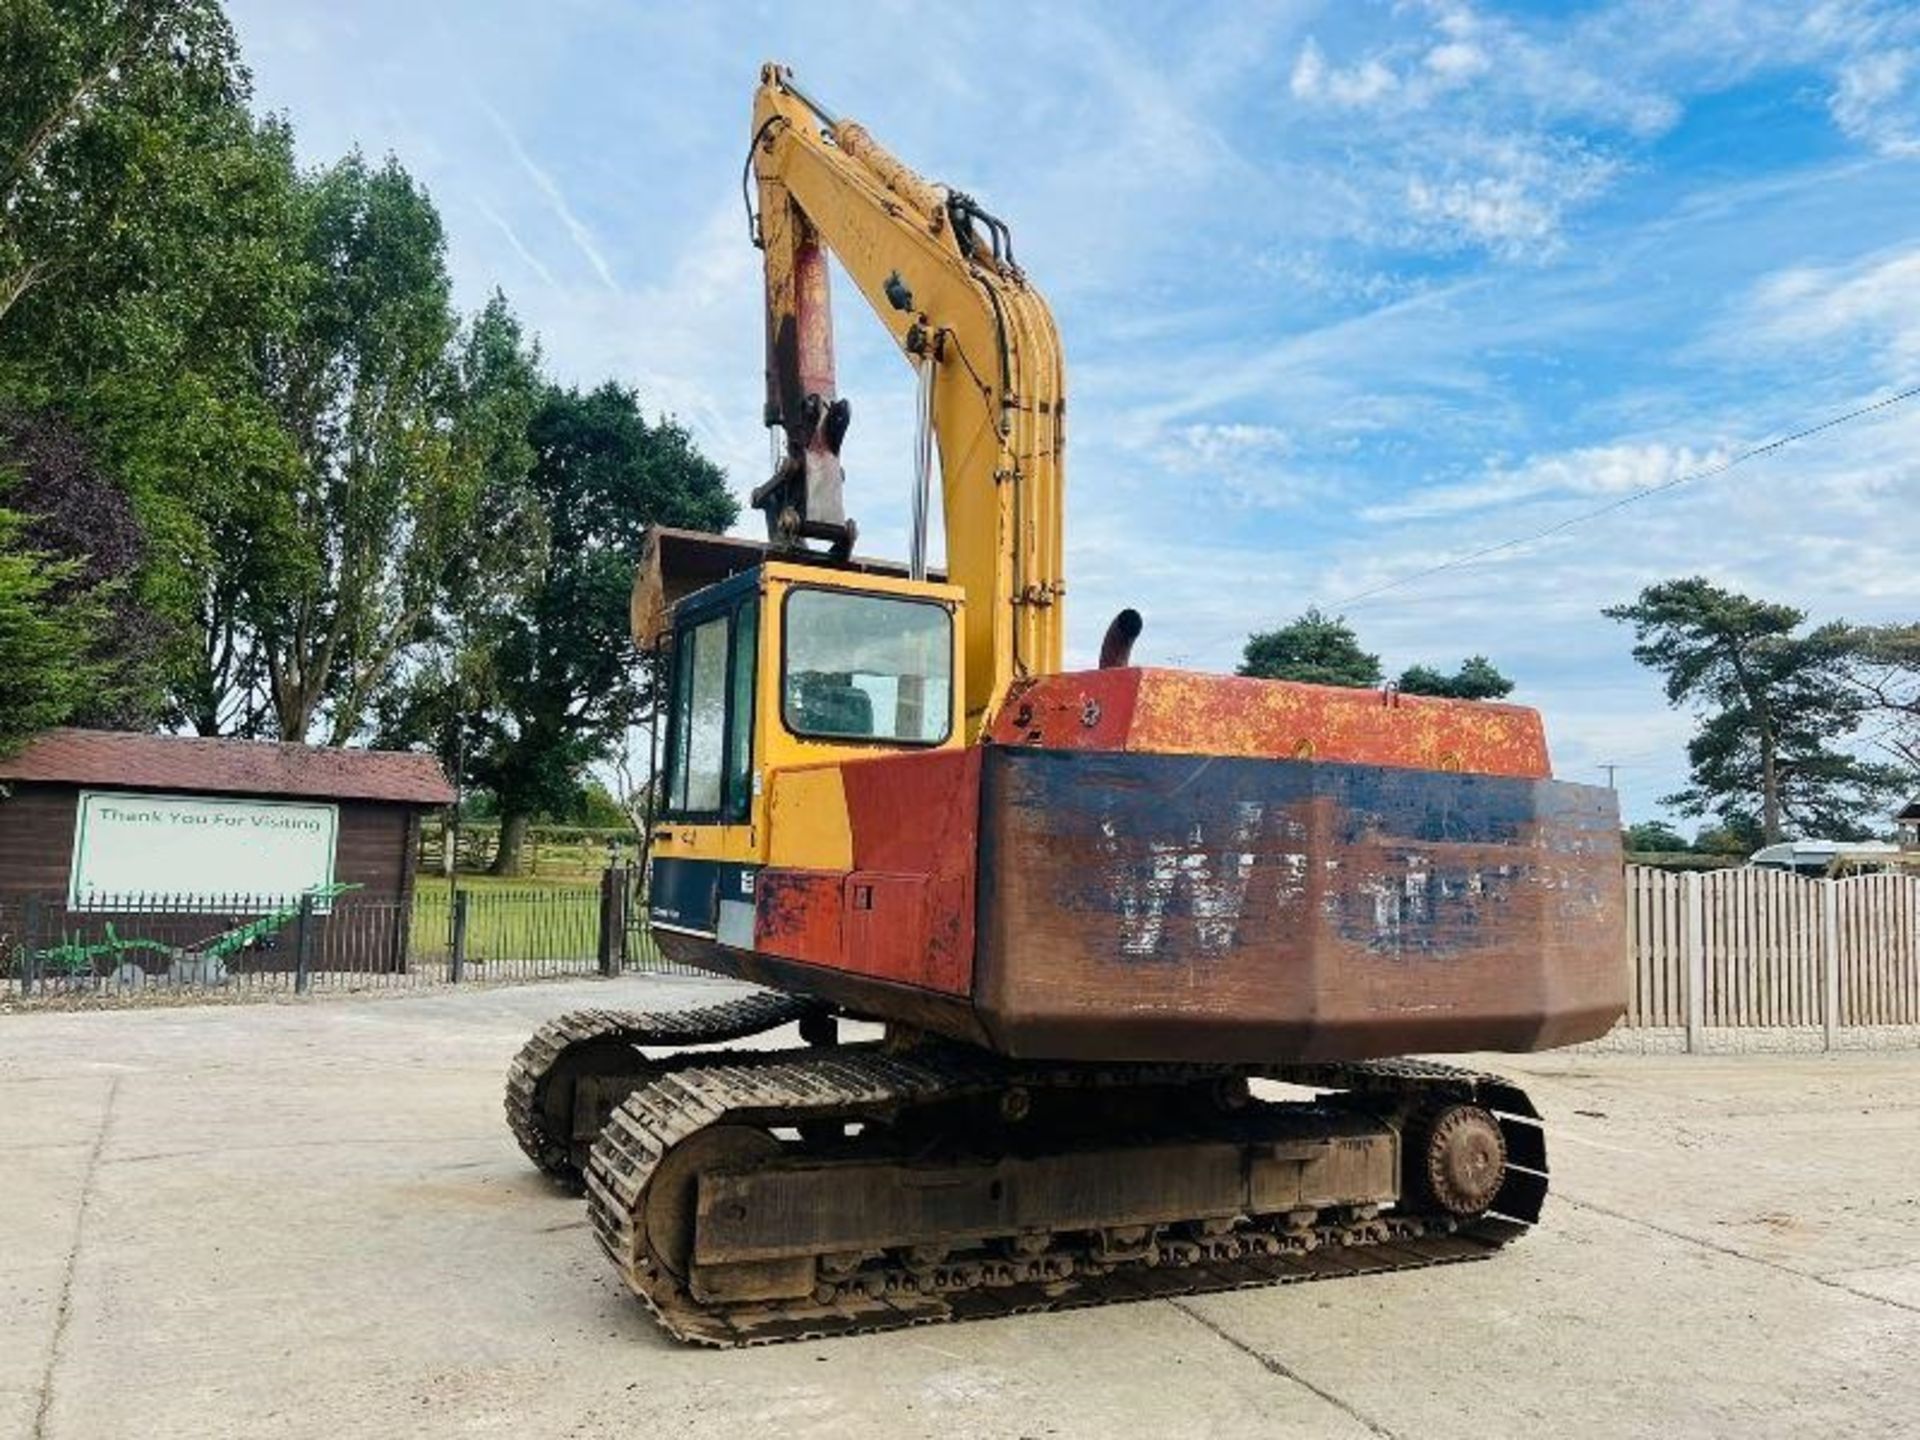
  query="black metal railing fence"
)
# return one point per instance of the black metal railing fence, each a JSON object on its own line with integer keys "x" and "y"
{"x": 112, "y": 946}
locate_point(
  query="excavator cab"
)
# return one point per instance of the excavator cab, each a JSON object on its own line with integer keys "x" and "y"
{"x": 781, "y": 666}
{"x": 786, "y": 665}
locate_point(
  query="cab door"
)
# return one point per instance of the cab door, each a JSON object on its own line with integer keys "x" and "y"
{"x": 705, "y": 847}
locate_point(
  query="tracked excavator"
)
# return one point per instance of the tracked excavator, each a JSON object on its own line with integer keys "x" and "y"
{"x": 1141, "y": 945}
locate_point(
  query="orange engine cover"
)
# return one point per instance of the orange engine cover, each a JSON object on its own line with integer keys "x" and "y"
{"x": 1147, "y": 865}
{"x": 1175, "y": 712}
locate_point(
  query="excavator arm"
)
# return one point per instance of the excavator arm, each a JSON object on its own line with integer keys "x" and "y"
{"x": 940, "y": 274}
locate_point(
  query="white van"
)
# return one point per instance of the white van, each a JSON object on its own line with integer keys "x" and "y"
{"x": 1825, "y": 857}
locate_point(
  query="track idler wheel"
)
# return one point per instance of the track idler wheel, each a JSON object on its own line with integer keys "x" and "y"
{"x": 1458, "y": 1159}
{"x": 671, "y": 1212}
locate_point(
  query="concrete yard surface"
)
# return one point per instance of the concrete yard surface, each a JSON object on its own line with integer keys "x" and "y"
{"x": 309, "y": 1220}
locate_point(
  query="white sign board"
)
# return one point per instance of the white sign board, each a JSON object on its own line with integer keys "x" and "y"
{"x": 206, "y": 852}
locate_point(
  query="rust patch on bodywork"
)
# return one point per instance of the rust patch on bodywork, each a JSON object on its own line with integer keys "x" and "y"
{"x": 904, "y": 912}
{"x": 918, "y": 815}
{"x": 1173, "y": 712}
{"x": 1171, "y": 907}
{"x": 797, "y": 914}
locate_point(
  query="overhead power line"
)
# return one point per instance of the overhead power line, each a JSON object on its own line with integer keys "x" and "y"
{"x": 1556, "y": 528}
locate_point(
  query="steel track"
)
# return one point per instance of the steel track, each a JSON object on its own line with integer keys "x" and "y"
{"x": 543, "y": 1056}
{"x": 860, "y": 1084}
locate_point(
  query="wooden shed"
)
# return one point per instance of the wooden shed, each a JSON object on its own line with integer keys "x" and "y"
{"x": 95, "y": 824}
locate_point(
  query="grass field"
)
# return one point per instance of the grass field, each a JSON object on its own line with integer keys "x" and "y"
{"x": 509, "y": 920}
{"x": 438, "y": 883}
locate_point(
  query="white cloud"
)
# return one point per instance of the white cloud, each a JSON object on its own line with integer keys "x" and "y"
{"x": 1599, "y": 470}
{"x": 1227, "y": 444}
{"x": 1333, "y": 276}
{"x": 1876, "y": 99}
{"x": 1345, "y": 376}
{"x": 1236, "y": 464}
{"x": 1457, "y": 61}
{"x": 1459, "y": 135}
{"x": 1494, "y": 209}
{"x": 1363, "y": 84}
{"x": 1516, "y": 202}
{"x": 1877, "y": 299}
{"x": 1529, "y": 82}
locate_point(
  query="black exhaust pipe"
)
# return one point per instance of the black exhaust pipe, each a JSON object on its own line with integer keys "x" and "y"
{"x": 1116, "y": 651}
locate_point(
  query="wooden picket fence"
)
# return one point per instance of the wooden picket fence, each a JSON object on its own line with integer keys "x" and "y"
{"x": 1766, "y": 949}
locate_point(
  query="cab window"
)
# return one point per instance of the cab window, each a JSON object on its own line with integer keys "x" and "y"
{"x": 710, "y": 726}
{"x": 867, "y": 667}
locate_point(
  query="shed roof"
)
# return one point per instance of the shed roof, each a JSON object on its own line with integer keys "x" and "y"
{"x": 228, "y": 767}
{"x": 1911, "y": 813}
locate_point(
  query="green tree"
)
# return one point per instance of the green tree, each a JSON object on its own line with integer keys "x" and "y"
{"x": 1774, "y": 706}
{"x": 364, "y": 386}
{"x": 597, "y": 807}
{"x": 75, "y": 530}
{"x": 1476, "y": 679}
{"x": 148, "y": 221}
{"x": 1316, "y": 648}
{"x": 451, "y": 682}
{"x": 265, "y": 361}
{"x": 46, "y": 641}
{"x": 1886, "y": 673}
{"x": 550, "y": 682}
{"x": 497, "y": 391}
{"x": 1319, "y": 649}
{"x": 102, "y": 102}
{"x": 1740, "y": 836}
{"x": 1655, "y": 837}
{"x": 177, "y": 394}
{"x": 39, "y": 639}
{"x": 165, "y": 376}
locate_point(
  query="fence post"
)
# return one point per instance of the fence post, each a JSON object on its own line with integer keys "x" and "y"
{"x": 1830, "y": 958}
{"x": 302, "y": 945}
{"x": 30, "y": 951}
{"x": 613, "y": 921}
{"x": 1693, "y": 941}
{"x": 458, "y": 965}
{"x": 625, "y": 910}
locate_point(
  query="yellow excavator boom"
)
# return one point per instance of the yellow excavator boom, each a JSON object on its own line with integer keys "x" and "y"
{"x": 940, "y": 274}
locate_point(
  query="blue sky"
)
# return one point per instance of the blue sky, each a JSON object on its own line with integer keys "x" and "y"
{"x": 1346, "y": 289}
